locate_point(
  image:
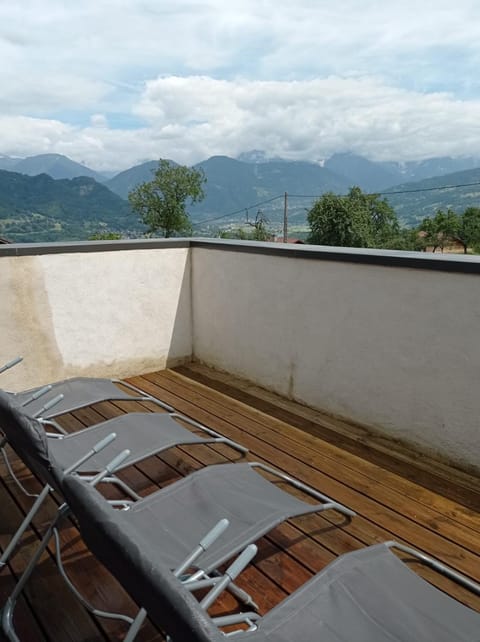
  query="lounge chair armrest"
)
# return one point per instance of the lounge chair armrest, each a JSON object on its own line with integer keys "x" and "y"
{"x": 203, "y": 545}
{"x": 233, "y": 571}
{"x": 111, "y": 467}
{"x": 11, "y": 364}
{"x": 103, "y": 443}
{"x": 37, "y": 394}
{"x": 48, "y": 405}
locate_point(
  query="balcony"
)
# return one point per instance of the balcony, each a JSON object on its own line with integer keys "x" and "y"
{"x": 354, "y": 371}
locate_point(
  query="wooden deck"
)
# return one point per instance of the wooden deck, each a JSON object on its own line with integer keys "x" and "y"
{"x": 396, "y": 494}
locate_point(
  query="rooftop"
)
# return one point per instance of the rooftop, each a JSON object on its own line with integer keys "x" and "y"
{"x": 421, "y": 502}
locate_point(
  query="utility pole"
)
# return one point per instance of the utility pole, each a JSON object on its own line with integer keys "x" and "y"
{"x": 285, "y": 219}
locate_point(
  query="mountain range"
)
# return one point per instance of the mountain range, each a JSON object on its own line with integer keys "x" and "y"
{"x": 55, "y": 165}
{"x": 51, "y": 197}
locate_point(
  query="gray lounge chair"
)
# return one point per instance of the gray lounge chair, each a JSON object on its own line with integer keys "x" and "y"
{"x": 368, "y": 595}
{"x": 79, "y": 392}
{"x": 172, "y": 521}
{"x": 143, "y": 434}
{"x": 179, "y": 514}
{"x": 72, "y": 394}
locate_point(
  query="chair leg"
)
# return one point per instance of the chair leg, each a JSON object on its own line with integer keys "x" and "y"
{"x": 9, "y": 607}
{"x": 23, "y": 526}
{"x": 12, "y": 473}
{"x": 136, "y": 625}
{"x": 105, "y": 614}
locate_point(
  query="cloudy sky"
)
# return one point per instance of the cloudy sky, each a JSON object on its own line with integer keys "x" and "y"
{"x": 112, "y": 83}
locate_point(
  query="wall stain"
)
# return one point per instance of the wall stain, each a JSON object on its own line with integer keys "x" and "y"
{"x": 291, "y": 380}
{"x": 26, "y": 326}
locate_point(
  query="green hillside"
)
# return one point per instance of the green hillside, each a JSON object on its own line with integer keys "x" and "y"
{"x": 413, "y": 206}
{"x": 39, "y": 208}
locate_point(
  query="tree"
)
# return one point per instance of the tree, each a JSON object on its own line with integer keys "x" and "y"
{"x": 407, "y": 240}
{"x": 440, "y": 230}
{"x": 427, "y": 231}
{"x": 160, "y": 203}
{"x": 259, "y": 232}
{"x": 354, "y": 220}
{"x": 469, "y": 229}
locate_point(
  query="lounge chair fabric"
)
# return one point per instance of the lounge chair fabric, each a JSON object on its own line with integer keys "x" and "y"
{"x": 144, "y": 434}
{"x": 368, "y": 595}
{"x": 115, "y": 541}
{"x": 78, "y": 392}
{"x": 364, "y": 596}
{"x": 180, "y": 514}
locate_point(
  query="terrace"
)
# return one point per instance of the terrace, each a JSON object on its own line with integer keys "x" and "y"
{"x": 351, "y": 370}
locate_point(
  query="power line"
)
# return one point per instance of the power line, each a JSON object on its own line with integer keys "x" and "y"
{"x": 242, "y": 209}
{"x": 405, "y": 191}
{"x": 430, "y": 189}
{"x": 284, "y": 196}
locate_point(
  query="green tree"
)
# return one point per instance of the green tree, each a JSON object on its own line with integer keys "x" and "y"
{"x": 160, "y": 202}
{"x": 407, "y": 240}
{"x": 354, "y": 220}
{"x": 440, "y": 230}
{"x": 469, "y": 229}
{"x": 428, "y": 233}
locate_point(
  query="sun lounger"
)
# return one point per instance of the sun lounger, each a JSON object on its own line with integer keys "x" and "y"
{"x": 75, "y": 393}
{"x": 172, "y": 521}
{"x": 143, "y": 434}
{"x": 369, "y": 595}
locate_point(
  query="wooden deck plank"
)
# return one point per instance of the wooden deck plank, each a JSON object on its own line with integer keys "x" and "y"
{"x": 391, "y": 500}
{"x": 360, "y": 500}
{"x": 381, "y": 524}
{"x": 409, "y": 462}
{"x": 390, "y": 487}
{"x": 308, "y": 420}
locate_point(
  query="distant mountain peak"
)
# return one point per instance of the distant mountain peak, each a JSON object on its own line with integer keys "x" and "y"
{"x": 255, "y": 156}
{"x": 55, "y": 165}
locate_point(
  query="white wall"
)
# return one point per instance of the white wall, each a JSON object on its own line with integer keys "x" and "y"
{"x": 391, "y": 347}
{"x": 395, "y": 348}
{"x": 113, "y": 313}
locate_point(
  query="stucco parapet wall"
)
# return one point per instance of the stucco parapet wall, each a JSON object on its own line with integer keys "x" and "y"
{"x": 468, "y": 264}
{"x": 38, "y": 249}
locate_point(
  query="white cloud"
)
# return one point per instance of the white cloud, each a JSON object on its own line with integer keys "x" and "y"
{"x": 299, "y": 79}
{"x": 20, "y": 135}
{"x": 310, "y": 119}
{"x": 190, "y": 119}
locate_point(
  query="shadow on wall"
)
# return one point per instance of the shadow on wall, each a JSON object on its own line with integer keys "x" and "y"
{"x": 97, "y": 314}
